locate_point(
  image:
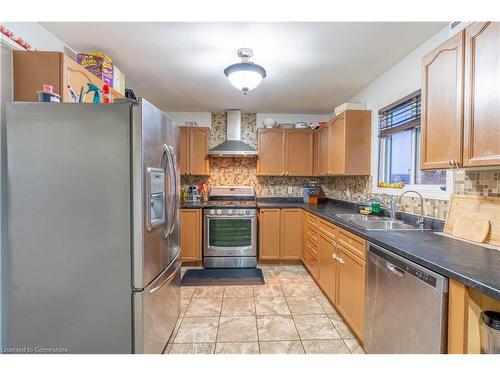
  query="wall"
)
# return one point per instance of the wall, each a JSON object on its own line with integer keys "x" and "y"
{"x": 180, "y": 118}
{"x": 41, "y": 39}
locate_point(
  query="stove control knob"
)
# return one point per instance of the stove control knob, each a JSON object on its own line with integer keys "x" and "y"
{"x": 219, "y": 212}
{"x": 229, "y": 212}
{"x": 212, "y": 212}
{"x": 242, "y": 212}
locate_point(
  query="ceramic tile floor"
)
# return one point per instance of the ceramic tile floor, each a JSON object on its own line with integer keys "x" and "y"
{"x": 287, "y": 315}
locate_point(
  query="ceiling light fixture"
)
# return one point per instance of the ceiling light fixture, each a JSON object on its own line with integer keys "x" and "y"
{"x": 246, "y": 75}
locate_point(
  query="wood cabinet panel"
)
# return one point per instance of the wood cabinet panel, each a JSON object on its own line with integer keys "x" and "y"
{"x": 337, "y": 155}
{"x": 442, "y": 104}
{"x": 343, "y": 146}
{"x": 316, "y": 153}
{"x": 184, "y": 150}
{"x": 353, "y": 243}
{"x": 350, "y": 289}
{"x": 190, "y": 234}
{"x": 305, "y": 236}
{"x": 77, "y": 76}
{"x": 323, "y": 151}
{"x": 198, "y": 151}
{"x": 299, "y": 152}
{"x": 312, "y": 264}
{"x": 327, "y": 265}
{"x": 32, "y": 70}
{"x": 357, "y": 144}
{"x": 271, "y": 147}
{"x": 457, "y": 317}
{"x": 328, "y": 229}
{"x": 269, "y": 233}
{"x": 482, "y": 95}
{"x": 291, "y": 230}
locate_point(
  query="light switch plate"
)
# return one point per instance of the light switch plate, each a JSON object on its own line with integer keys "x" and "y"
{"x": 290, "y": 190}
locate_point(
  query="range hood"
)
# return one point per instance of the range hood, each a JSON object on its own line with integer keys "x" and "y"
{"x": 233, "y": 146}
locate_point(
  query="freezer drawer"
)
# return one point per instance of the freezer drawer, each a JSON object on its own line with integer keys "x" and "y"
{"x": 156, "y": 310}
{"x": 406, "y": 306}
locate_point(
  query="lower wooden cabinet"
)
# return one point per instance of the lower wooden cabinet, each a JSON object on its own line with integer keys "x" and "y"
{"x": 280, "y": 233}
{"x": 335, "y": 259}
{"x": 269, "y": 233}
{"x": 291, "y": 236}
{"x": 350, "y": 289}
{"x": 327, "y": 265}
{"x": 190, "y": 235}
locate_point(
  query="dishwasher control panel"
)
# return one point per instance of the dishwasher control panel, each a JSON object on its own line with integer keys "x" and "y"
{"x": 396, "y": 265}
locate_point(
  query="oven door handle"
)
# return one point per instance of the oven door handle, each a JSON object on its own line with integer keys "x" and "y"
{"x": 230, "y": 216}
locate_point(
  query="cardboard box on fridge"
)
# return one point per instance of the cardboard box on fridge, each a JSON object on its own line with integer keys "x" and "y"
{"x": 118, "y": 80}
{"x": 98, "y": 64}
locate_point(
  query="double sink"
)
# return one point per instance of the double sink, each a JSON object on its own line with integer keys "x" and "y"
{"x": 369, "y": 222}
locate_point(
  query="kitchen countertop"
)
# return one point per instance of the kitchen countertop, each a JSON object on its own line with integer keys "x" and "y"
{"x": 475, "y": 266}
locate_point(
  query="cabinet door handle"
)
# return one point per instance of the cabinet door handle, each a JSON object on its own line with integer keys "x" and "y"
{"x": 340, "y": 260}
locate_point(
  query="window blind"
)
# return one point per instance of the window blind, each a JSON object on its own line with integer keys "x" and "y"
{"x": 400, "y": 116}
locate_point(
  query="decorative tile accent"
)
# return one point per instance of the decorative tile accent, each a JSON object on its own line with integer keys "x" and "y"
{"x": 242, "y": 171}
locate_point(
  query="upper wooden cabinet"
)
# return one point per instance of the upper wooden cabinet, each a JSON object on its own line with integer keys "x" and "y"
{"x": 442, "y": 103}
{"x": 461, "y": 100}
{"x": 299, "y": 152}
{"x": 33, "y": 69}
{"x": 344, "y": 145}
{"x": 184, "y": 150}
{"x": 482, "y": 95}
{"x": 271, "y": 148}
{"x": 285, "y": 152}
{"x": 193, "y": 149}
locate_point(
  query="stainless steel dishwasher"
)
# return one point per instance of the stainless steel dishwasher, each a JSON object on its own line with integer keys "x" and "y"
{"x": 406, "y": 305}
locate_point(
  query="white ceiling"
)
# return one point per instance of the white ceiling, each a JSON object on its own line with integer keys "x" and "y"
{"x": 311, "y": 67}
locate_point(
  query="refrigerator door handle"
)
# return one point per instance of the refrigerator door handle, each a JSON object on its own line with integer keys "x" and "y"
{"x": 169, "y": 278}
{"x": 175, "y": 211}
{"x": 166, "y": 157}
{"x": 171, "y": 161}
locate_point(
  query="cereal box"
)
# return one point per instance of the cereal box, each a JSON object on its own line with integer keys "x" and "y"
{"x": 99, "y": 64}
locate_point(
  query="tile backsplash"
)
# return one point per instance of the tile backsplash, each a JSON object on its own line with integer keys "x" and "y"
{"x": 242, "y": 171}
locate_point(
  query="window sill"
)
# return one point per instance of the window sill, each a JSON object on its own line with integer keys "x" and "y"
{"x": 427, "y": 192}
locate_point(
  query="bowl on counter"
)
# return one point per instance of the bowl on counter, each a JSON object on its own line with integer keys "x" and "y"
{"x": 285, "y": 125}
{"x": 269, "y": 123}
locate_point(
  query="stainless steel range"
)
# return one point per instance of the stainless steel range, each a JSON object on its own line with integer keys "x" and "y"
{"x": 230, "y": 228}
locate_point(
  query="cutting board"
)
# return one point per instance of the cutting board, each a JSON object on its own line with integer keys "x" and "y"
{"x": 471, "y": 228}
{"x": 467, "y": 217}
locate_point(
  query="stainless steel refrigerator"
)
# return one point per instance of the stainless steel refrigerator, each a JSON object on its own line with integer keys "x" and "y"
{"x": 93, "y": 238}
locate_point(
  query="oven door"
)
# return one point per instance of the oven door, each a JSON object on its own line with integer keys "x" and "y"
{"x": 230, "y": 236}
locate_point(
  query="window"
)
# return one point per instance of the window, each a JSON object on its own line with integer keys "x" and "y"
{"x": 399, "y": 136}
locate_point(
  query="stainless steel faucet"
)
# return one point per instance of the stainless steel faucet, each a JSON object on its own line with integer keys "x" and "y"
{"x": 391, "y": 208}
{"x": 420, "y": 220}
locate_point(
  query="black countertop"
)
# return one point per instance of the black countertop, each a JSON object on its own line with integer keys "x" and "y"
{"x": 475, "y": 266}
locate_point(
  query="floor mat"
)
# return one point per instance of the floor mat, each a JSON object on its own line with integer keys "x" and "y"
{"x": 223, "y": 276}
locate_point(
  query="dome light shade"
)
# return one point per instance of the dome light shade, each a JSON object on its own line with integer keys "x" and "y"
{"x": 245, "y": 76}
